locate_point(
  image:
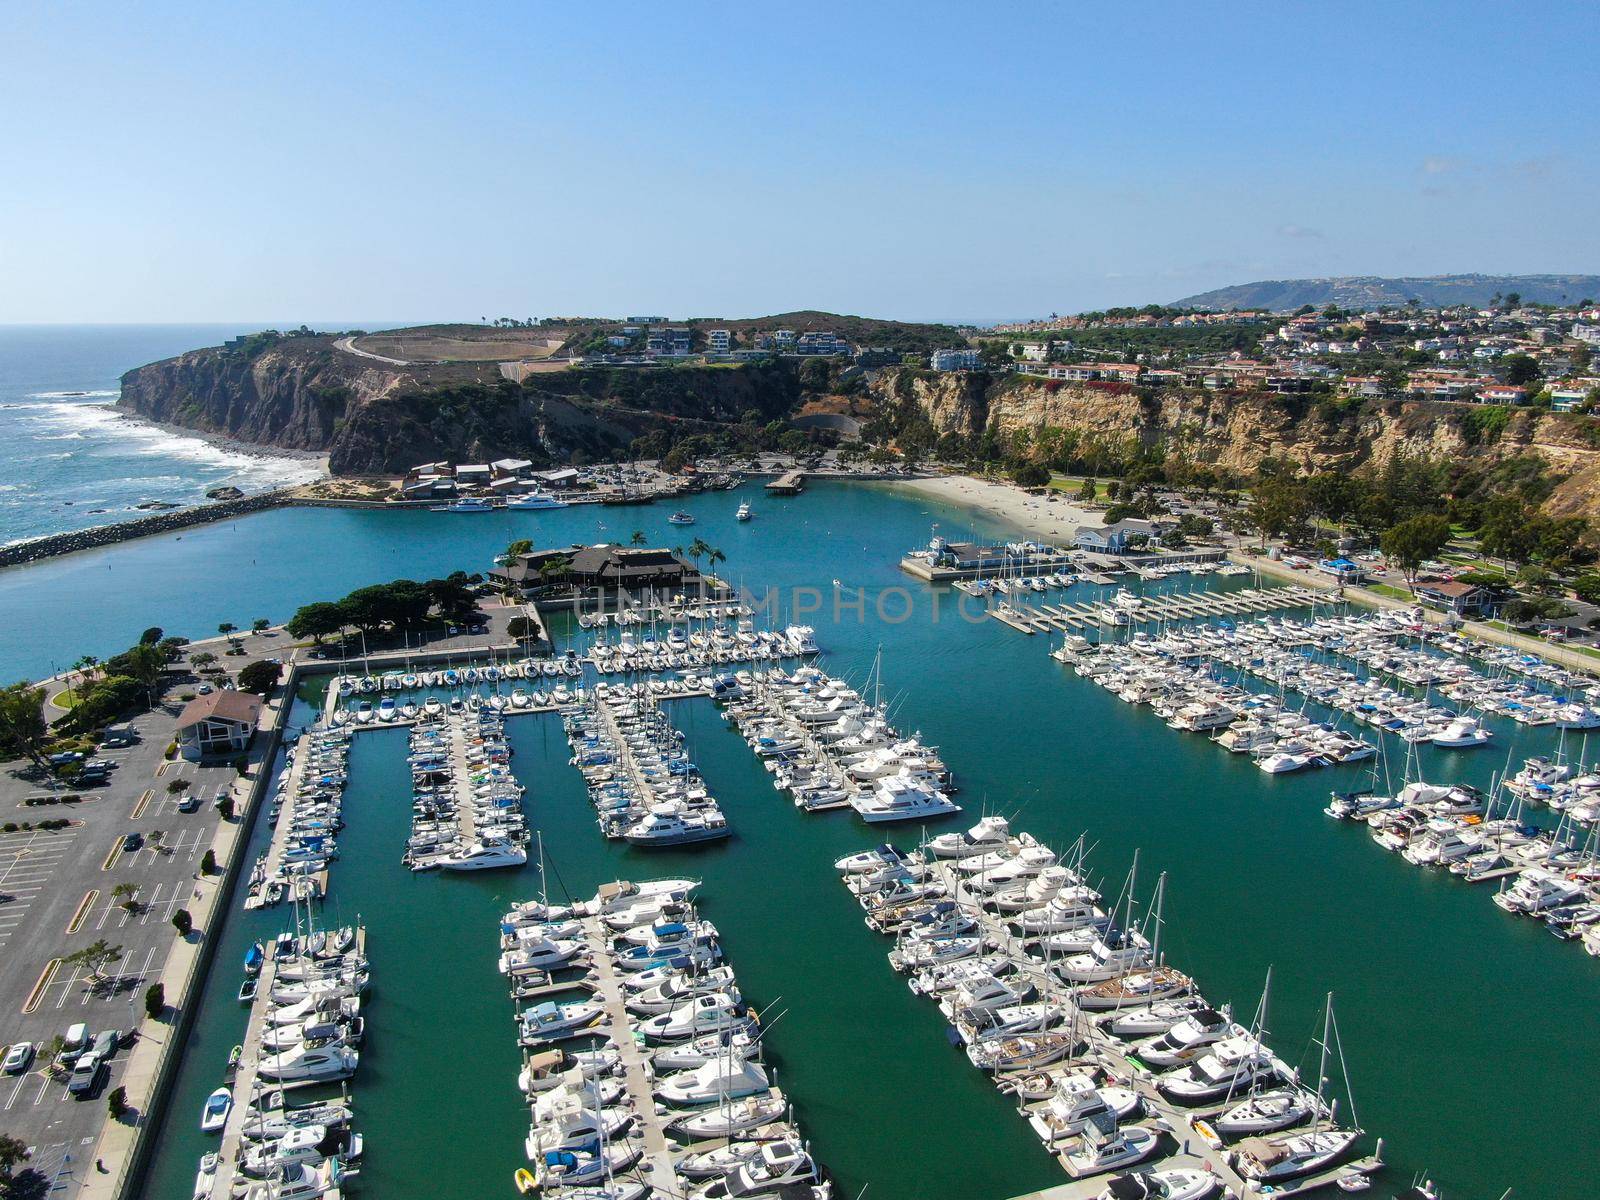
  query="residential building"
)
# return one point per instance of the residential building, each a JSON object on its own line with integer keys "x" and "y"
{"x": 783, "y": 338}
{"x": 1035, "y": 351}
{"x": 1503, "y": 394}
{"x": 719, "y": 341}
{"x": 821, "y": 343}
{"x": 956, "y": 360}
{"x": 667, "y": 342}
{"x": 219, "y": 724}
{"x": 1367, "y": 387}
{"x": 1095, "y": 372}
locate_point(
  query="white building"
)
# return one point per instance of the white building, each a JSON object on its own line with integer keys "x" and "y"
{"x": 719, "y": 341}
{"x": 956, "y": 360}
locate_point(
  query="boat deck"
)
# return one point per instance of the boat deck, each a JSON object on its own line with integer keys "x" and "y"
{"x": 1183, "y": 1146}
{"x": 247, "y": 1083}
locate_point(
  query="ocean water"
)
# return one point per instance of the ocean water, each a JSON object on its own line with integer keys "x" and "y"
{"x": 68, "y": 459}
{"x": 1466, "y": 1032}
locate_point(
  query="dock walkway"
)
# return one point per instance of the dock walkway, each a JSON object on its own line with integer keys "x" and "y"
{"x": 656, "y": 1167}
{"x": 1074, "y": 617}
{"x": 1188, "y": 1148}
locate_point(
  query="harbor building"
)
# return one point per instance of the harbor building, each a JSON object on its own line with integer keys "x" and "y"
{"x": 600, "y": 570}
{"x": 1113, "y": 539}
{"x": 217, "y": 725}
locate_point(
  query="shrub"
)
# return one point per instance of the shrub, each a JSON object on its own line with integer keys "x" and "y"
{"x": 182, "y": 922}
{"x": 155, "y": 1001}
{"x": 208, "y": 863}
{"x": 117, "y": 1103}
{"x": 174, "y": 786}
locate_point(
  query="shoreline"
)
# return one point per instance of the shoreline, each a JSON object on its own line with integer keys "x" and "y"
{"x": 1054, "y": 520}
{"x": 222, "y": 441}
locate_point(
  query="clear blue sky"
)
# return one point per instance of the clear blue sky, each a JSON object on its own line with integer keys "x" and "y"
{"x": 230, "y": 162}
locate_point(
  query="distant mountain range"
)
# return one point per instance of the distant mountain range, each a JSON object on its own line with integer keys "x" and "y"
{"x": 1367, "y": 291}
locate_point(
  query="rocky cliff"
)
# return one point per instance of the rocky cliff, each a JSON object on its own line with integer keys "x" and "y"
{"x": 1236, "y": 430}
{"x": 372, "y": 417}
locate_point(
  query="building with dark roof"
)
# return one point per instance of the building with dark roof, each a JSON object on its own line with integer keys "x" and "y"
{"x": 602, "y": 568}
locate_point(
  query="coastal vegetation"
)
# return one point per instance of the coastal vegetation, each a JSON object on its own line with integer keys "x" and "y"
{"x": 399, "y": 606}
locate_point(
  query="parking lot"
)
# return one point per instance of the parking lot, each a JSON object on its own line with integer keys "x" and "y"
{"x": 60, "y": 892}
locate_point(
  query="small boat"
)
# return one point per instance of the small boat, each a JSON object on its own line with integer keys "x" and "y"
{"x": 465, "y": 506}
{"x": 524, "y": 1180}
{"x": 253, "y": 958}
{"x": 744, "y": 513}
{"x": 681, "y": 518}
{"x": 215, "y": 1113}
{"x": 247, "y": 990}
{"x": 206, "y": 1178}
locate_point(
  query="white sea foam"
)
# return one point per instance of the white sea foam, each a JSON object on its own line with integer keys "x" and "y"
{"x": 101, "y": 393}
{"x": 118, "y": 434}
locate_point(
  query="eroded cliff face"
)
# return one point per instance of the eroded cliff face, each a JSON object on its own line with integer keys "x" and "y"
{"x": 291, "y": 398}
{"x": 373, "y": 418}
{"x": 1236, "y": 430}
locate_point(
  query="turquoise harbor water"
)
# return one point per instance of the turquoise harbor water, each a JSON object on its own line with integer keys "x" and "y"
{"x": 1469, "y": 1034}
{"x": 68, "y": 459}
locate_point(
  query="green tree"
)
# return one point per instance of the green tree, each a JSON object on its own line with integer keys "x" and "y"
{"x": 1415, "y": 540}
{"x": 317, "y": 621}
{"x": 182, "y": 922}
{"x": 13, "y": 1153}
{"x": 260, "y": 625}
{"x": 1087, "y": 490}
{"x": 1520, "y": 370}
{"x": 227, "y": 629}
{"x": 1031, "y": 475}
{"x": 1278, "y": 507}
{"x": 259, "y": 677}
{"x": 96, "y": 957}
{"x": 23, "y": 729}
{"x": 155, "y": 1000}
{"x": 1587, "y": 588}
{"x": 638, "y": 538}
{"x": 147, "y": 663}
{"x": 117, "y": 1103}
{"x": 518, "y": 548}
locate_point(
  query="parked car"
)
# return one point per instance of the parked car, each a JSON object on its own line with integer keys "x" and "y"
{"x": 131, "y": 842}
{"x": 190, "y": 803}
{"x": 75, "y": 1042}
{"x": 17, "y": 1058}
{"x": 105, "y": 1044}
{"x": 85, "y": 1074}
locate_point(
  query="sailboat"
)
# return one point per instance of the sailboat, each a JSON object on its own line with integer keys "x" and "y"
{"x": 1270, "y": 1160}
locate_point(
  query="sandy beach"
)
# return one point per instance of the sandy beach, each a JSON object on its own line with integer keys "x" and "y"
{"x": 1052, "y": 517}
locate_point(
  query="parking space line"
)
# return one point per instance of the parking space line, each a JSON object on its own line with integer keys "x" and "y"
{"x": 16, "y": 1091}
{"x": 83, "y": 910}
{"x": 46, "y": 976}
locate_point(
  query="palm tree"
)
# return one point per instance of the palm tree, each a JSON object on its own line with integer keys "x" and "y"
{"x": 715, "y": 556}
{"x": 697, "y": 550}
{"x": 227, "y": 629}
{"x": 638, "y": 538}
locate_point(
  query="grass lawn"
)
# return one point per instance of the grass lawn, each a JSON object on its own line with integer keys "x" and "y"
{"x": 1384, "y": 589}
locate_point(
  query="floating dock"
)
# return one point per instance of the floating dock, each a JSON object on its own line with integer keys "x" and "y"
{"x": 1070, "y": 618}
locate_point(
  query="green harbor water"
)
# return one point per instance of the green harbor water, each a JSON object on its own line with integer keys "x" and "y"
{"x": 1469, "y": 1034}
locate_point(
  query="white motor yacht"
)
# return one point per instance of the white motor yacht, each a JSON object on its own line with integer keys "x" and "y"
{"x": 903, "y": 798}
{"x": 991, "y": 833}
{"x": 727, "y": 1078}
{"x": 1075, "y": 1103}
